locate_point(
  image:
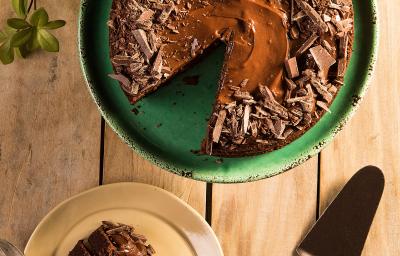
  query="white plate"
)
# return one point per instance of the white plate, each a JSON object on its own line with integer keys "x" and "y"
{"x": 171, "y": 226}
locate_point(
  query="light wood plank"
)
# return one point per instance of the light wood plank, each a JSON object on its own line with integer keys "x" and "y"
{"x": 123, "y": 164}
{"x": 372, "y": 137}
{"x": 49, "y": 130}
{"x": 267, "y": 217}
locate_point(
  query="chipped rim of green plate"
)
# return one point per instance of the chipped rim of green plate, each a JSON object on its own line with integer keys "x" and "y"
{"x": 248, "y": 169}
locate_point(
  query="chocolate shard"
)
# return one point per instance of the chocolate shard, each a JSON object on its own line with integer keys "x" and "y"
{"x": 153, "y": 41}
{"x": 313, "y": 14}
{"x": 145, "y": 16}
{"x": 327, "y": 45}
{"x": 219, "y": 125}
{"x": 342, "y": 63}
{"x": 246, "y": 118}
{"x": 343, "y": 45}
{"x": 323, "y": 59}
{"x": 299, "y": 16}
{"x": 307, "y": 44}
{"x": 279, "y": 128}
{"x": 291, "y": 86}
{"x": 158, "y": 63}
{"x": 271, "y": 104}
{"x": 131, "y": 88}
{"x": 121, "y": 60}
{"x": 242, "y": 95}
{"x": 141, "y": 38}
{"x": 323, "y": 105}
{"x": 165, "y": 13}
{"x": 193, "y": 47}
{"x": 322, "y": 90}
{"x": 244, "y": 82}
{"x": 291, "y": 68}
{"x": 122, "y": 79}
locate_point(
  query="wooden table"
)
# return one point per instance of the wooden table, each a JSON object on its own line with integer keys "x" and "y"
{"x": 53, "y": 144}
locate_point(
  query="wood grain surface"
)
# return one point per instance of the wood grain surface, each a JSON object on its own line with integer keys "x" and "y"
{"x": 372, "y": 138}
{"x": 121, "y": 164}
{"x": 49, "y": 130}
{"x": 266, "y": 217}
{"x": 50, "y": 141}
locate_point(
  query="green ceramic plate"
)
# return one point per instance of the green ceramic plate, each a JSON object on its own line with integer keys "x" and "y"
{"x": 172, "y": 121}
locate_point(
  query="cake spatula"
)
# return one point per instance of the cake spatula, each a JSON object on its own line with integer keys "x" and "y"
{"x": 343, "y": 227}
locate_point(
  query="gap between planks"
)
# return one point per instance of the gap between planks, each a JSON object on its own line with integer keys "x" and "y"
{"x": 101, "y": 158}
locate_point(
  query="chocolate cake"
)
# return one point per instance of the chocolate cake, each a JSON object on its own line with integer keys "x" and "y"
{"x": 284, "y": 61}
{"x": 112, "y": 239}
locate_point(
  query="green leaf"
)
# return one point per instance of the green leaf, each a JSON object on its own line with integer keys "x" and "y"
{"x": 54, "y": 24}
{"x": 20, "y": 7}
{"x": 6, "y": 53}
{"x": 3, "y": 37}
{"x": 9, "y": 30}
{"x": 21, "y": 37}
{"x": 18, "y": 23}
{"x": 39, "y": 18}
{"x": 47, "y": 41}
{"x": 33, "y": 43}
{"x": 22, "y": 51}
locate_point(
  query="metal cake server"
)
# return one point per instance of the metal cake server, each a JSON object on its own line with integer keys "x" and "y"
{"x": 343, "y": 227}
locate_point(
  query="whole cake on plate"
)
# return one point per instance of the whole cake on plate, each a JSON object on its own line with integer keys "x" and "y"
{"x": 285, "y": 61}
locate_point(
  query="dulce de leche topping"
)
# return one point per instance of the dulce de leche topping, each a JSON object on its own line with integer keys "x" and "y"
{"x": 255, "y": 31}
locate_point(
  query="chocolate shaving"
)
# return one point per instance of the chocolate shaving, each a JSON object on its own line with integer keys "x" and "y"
{"x": 323, "y": 105}
{"x": 165, "y": 14}
{"x": 244, "y": 82}
{"x": 322, "y": 90}
{"x": 158, "y": 63}
{"x": 343, "y": 45}
{"x": 341, "y": 67}
{"x": 126, "y": 84}
{"x": 313, "y": 14}
{"x": 145, "y": 16}
{"x": 218, "y": 126}
{"x": 279, "y": 128}
{"x": 193, "y": 47}
{"x": 287, "y": 133}
{"x": 242, "y": 95}
{"x": 141, "y": 38}
{"x": 323, "y": 59}
{"x": 291, "y": 86}
{"x": 292, "y": 68}
{"x": 121, "y": 60}
{"x": 307, "y": 44}
{"x": 246, "y": 117}
{"x": 153, "y": 41}
{"x": 299, "y": 15}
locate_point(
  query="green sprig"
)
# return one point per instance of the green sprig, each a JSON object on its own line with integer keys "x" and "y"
{"x": 27, "y": 33}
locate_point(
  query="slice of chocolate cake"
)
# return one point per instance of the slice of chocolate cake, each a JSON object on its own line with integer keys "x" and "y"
{"x": 284, "y": 63}
{"x": 80, "y": 250}
{"x": 112, "y": 239}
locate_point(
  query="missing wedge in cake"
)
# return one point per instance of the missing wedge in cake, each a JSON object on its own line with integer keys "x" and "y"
{"x": 285, "y": 62}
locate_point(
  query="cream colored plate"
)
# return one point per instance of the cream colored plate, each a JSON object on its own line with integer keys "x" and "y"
{"x": 171, "y": 226}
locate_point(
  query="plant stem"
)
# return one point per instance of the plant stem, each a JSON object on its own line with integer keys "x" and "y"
{"x": 34, "y": 5}
{"x": 30, "y": 6}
